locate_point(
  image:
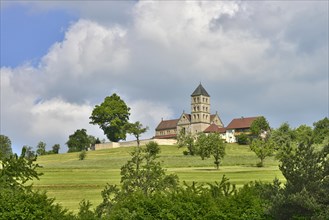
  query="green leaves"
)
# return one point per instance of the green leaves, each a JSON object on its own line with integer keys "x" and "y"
{"x": 17, "y": 170}
{"x": 112, "y": 117}
{"x": 259, "y": 125}
{"x": 211, "y": 145}
{"x": 5, "y": 147}
{"x": 262, "y": 149}
{"x": 78, "y": 141}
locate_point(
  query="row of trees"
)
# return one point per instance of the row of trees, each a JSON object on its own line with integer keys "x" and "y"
{"x": 6, "y": 149}
{"x": 205, "y": 146}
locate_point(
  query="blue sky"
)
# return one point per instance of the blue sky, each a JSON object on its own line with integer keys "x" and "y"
{"x": 61, "y": 58}
{"x": 27, "y": 35}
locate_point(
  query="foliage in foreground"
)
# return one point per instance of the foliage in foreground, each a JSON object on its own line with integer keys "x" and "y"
{"x": 18, "y": 200}
{"x": 146, "y": 192}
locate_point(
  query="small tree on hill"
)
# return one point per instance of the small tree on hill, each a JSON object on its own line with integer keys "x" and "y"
{"x": 78, "y": 141}
{"x": 56, "y": 148}
{"x": 262, "y": 149}
{"x": 136, "y": 129}
{"x": 258, "y": 126}
{"x": 188, "y": 140}
{"x": 41, "y": 148}
{"x": 211, "y": 145}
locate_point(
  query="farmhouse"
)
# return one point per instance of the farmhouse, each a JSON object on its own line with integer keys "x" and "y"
{"x": 201, "y": 120}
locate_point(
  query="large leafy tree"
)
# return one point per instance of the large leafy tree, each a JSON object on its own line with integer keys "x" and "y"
{"x": 211, "y": 145}
{"x": 136, "y": 129}
{"x": 78, "y": 141}
{"x": 306, "y": 191}
{"x": 5, "y": 147}
{"x": 112, "y": 117}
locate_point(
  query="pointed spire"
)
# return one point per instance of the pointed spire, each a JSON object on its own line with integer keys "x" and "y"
{"x": 200, "y": 91}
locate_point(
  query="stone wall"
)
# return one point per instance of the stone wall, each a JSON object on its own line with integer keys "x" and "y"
{"x": 110, "y": 145}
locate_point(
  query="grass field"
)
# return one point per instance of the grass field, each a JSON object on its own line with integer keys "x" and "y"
{"x": 70, "y": 180}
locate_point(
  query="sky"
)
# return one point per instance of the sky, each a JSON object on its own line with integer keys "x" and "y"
{"x": 61, "y": 58}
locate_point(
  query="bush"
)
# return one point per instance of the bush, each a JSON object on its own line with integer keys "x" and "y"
{"x": 243, "y": 139}
{"x": 82, "y": 155}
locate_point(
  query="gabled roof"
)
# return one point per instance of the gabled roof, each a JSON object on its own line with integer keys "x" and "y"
{"x": 200, "y": 91}
{"x": 167, "y": 124}
{"x": 188, "y": 116}
{"x": 241, "y": 123}
{"x": 213, "y": 128}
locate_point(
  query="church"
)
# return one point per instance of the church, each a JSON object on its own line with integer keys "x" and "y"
{"x": 200, "y": 119}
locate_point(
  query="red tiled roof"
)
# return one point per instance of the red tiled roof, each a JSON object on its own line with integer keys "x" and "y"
{"x": 241, "y": 123}
{"x": 214, "y": 128}
{"x": 167, "y": 124}
{"x": 167, "y": 136}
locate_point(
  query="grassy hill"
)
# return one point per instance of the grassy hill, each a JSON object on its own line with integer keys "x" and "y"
{"x": 70, "y": 180}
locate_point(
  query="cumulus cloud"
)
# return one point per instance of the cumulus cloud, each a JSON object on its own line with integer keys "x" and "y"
{"x": 254, "y": 58}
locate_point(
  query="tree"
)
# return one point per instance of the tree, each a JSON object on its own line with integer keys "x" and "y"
{"x": 29, "y": 152}
{"x": 112, "y": 117}
{"x": 188, "y": 140}
{"x": 305, "y": 195}
{"x": 243, "y": 139}
{"x": 17, "y": 170}
{"x": 259, "y": 125}
{"x": 303, "y": 134}
{"x": 321, "y": 130}
{"x": 211, "y": 145}
{"x": 56, "y": 148}
{"x": 5, "y": 147}
{"x": 144, "y": 173}
{"x": 262, "y": 149}
{"x": 82, "y": 155}
{"x": 18, "y": 200}
{"x": 78, "y": 141}
{"x": 41, "y": 148}
{"x": 136, "y": 129}
{"x": 282, "y": 135}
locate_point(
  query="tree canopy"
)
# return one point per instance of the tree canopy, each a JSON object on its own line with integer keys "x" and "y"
{"x": 211, "y": 145}
{"x": 136, "y": 129}
{"x": 321, "y": 130}
{"x": 259, "y": 125}
{"x": 112, "y": 116}
{"x": 78, "y": 141}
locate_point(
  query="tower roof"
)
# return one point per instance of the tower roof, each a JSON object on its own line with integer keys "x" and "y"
{"x": 200, "y": 91}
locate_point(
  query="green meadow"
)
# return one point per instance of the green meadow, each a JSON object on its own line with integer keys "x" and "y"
{"x": 70, "y": 180}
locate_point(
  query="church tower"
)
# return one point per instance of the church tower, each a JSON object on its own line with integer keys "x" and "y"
{"x": 200, "y": 110}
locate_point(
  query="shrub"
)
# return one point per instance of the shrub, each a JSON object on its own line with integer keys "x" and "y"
{"x": 82, "y": 155}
